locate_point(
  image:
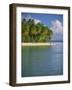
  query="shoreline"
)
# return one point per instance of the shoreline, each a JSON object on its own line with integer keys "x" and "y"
{"x": 38, "y": 44}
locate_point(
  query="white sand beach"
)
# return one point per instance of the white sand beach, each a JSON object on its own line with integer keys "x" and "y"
{"x": 37, "y": 44}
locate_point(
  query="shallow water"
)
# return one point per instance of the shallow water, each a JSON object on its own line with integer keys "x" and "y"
{"x": 42, "y": 60}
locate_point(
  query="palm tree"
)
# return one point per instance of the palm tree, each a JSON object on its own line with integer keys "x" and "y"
{"x": 32, "y": 32}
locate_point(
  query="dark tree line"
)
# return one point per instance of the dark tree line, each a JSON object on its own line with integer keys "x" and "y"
{"x": 32, "y": 32}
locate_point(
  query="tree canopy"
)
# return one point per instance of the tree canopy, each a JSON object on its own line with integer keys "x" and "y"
{"x": 35, "y": 32}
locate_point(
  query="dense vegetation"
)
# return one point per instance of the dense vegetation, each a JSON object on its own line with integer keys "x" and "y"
{"x": 35, "y": 32}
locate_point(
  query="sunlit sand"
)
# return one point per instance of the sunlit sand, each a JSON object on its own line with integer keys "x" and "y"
{"x": 37, "y": 44}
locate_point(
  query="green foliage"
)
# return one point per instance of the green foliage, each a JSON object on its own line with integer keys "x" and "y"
{"x": 32, "y": 32}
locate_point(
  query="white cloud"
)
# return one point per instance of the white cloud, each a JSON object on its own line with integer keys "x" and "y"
{"x": 57, "y": 26}
{"x": 28, "y": 17}
{"x": 37, "y": 21}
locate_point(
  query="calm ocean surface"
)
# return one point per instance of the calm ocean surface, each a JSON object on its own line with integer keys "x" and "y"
{"x": 42, "y": 60}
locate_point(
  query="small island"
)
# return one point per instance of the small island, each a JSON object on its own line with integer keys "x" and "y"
{"x": 35, "y": 32}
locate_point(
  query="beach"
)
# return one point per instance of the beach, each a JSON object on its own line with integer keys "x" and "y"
{"x": 37, "y": 44}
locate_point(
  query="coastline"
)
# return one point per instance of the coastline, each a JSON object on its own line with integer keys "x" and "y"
{"x": 38, "y": 44}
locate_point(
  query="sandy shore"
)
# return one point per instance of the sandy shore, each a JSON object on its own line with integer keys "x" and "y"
{"x": 37, "y": 44}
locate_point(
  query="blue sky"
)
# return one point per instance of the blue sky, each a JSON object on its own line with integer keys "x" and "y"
{"x": 53, "y": 21}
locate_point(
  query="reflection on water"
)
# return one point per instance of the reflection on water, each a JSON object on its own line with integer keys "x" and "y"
{"x": 42, "y": 60}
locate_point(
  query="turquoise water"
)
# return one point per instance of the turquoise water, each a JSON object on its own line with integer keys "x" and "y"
{"x": 42, "y": 60}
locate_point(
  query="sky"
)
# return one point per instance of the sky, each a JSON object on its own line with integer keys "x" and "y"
{"x": 53, "y": 21}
